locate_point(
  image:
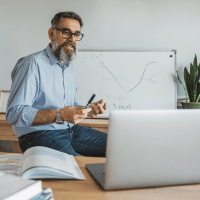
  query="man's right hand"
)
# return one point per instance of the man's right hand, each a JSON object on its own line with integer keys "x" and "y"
{"x": 73, "y": 114}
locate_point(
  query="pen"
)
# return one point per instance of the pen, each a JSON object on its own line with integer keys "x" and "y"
{"x": 90, "y": 101}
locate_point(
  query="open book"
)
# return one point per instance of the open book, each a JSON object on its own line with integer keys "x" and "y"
{"x": 41, "y": 162}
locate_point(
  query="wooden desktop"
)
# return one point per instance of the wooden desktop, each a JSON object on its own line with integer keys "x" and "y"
{"x": 89, "y": 189}
{"x": 6, "y": 132}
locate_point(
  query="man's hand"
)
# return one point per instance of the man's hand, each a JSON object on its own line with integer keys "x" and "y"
{"x": 97, "y": 108}
{"x": 73, "y": 114}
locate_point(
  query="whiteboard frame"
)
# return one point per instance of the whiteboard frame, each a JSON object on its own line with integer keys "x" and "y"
{"x": 4, "y": 95}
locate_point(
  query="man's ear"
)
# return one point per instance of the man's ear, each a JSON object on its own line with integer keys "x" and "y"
{"x": 51, "y": 34}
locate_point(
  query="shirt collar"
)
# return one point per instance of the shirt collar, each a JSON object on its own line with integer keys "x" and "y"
{"x": 52, "y": 57}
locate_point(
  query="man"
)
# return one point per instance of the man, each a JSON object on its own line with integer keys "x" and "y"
{"x": 42, "y": 106}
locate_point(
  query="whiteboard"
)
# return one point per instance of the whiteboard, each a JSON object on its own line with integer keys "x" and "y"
{"x": 127, "y": 80}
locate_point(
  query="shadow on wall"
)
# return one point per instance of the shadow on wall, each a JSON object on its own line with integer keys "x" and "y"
{"x": 6, "y": 146}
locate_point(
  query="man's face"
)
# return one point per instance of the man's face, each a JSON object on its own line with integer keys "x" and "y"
{"x": 64, "y": 49}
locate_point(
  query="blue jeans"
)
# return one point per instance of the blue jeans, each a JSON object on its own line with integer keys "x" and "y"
{"x": 77, "y": 140}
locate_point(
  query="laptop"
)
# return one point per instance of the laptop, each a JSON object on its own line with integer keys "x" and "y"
{"x": 150, "y": 148}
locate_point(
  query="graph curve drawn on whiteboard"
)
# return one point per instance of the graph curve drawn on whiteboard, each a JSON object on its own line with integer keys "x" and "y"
{"x": 127, "y": 80}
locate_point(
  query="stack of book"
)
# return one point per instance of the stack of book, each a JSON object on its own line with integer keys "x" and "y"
{"x": 13, "y": 187}
{"x": 46, "y": 194}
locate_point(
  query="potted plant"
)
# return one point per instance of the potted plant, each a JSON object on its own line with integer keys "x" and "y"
{"x": 192, "y": 86}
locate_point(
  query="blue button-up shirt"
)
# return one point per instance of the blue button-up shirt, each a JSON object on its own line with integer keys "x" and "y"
{"x": 39, "y": 82}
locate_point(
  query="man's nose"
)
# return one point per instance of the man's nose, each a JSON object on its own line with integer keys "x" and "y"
{"x": 72, "y": 38}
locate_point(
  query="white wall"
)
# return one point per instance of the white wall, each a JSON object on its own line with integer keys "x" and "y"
{"x": 130, "y": 25}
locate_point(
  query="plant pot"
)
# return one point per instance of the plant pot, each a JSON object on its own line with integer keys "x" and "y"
{"x": 190, "y": 105}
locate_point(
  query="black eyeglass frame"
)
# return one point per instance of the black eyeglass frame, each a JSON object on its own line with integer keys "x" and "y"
{"x": 70, "y": 32}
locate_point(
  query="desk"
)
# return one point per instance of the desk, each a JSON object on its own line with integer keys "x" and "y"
{"x": 6, "y": 132}
{"x": 90, "y": 190}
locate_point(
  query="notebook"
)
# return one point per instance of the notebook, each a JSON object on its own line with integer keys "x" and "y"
{"x": 150, "y": 148}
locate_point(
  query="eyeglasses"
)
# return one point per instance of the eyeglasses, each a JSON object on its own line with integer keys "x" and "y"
{"x": 66, "y": 33}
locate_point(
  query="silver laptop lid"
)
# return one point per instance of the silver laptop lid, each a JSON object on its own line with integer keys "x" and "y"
{"x": 152, "y": 148}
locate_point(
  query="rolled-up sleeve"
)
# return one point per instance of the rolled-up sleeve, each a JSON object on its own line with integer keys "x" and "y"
{"x": 25, "y": 84}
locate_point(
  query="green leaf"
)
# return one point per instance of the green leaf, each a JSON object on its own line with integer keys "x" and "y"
{"x": 198, "y": 99}
{"x": 188, "y": 84}
{"x": 198, "y": 88}
{"x": 198, "y": 84}
{"x": 195, "y": 62}
{"x": 186, "y": 96}
{"x": 191, "y": 72}
{"x": 195, "y": 89}
{"x": 195, "y": 69}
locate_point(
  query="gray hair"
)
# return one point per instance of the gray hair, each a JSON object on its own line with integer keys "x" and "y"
{"x": 55, "y": 22}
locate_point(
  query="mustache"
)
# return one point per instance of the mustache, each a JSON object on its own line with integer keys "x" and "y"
{"x": 68, "y": 43}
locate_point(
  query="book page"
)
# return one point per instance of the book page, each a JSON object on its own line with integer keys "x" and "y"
{"x": 11, "y": 163}
{"x": 45, "y": 173}
{"x": 51, "y": 159}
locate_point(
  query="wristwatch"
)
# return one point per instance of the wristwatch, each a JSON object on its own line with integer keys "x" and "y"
{"x": 58, "y": 117}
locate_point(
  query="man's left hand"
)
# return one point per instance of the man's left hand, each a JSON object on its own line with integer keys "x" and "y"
{"x": 97, "y": 108}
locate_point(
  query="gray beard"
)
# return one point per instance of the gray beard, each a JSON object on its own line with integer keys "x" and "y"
{"x": 66, "y": 57}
